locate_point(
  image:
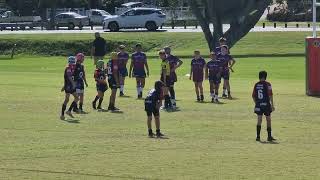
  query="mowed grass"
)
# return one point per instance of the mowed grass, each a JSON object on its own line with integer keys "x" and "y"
{"x": 205, "y": 141}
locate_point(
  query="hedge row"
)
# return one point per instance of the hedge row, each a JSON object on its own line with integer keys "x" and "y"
{"x": 62, "y": 48}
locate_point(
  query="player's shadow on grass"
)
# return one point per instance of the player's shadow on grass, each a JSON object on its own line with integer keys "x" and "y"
{"x": 268, "y": 142}
{"x": 73, "y": 121}
{"x": 124, "y": 96}
{"x": 159, "y": 138}
{"x": 116, "y": 112}
{"x": 209, "y": 102}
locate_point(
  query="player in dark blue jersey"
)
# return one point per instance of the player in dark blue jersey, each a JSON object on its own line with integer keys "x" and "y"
{"x": 175, "y": 63}
{"x": 69, "y": 87}
{"x": 213, "y": 73}
{"x": 222, "y": 42}
{"x": 123, "y": 57}
{"x": 227, "y": 62}
{"x": 152, "y": 105}
{"x": 101, "y": 84}
{"x": 113, "y": 79}
{"x": 80, "y": 79}
{"x": 138, "y": 66}
{"x": 263, "y": 98}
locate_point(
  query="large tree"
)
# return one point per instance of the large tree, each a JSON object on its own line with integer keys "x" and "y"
{"x": 242, "y": 15}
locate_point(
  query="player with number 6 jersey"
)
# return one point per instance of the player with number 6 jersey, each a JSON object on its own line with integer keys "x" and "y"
{"x": 263, "y": 98}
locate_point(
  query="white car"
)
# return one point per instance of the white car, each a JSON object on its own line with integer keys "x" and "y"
{"x": 149, "y": 18}
{"x": 97, "y": 16}
{"x": 71, "y": 20}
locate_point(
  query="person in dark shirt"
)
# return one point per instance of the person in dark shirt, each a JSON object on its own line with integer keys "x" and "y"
{"x": 80, "y": 79}
{"x": 123, "y": 58}
{"x": 197, "y": 74}
{"x": 213, "y": 73}
{"x": 99, "y": 47}
{"x": 262, "y": 96}
{"x": 152, "y": 105}
{"x": 101, "y": 84}
{"x": 113, "y": 79}
{"x": 69, "y": 88}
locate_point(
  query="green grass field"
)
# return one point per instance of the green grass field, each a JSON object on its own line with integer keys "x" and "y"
{"x": 205, "y": 141}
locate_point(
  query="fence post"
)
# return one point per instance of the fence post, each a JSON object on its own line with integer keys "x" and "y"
{"x": 263, "y": 25}
{"x": 185, "y": 24}
{"x": 297, "y": 25}
{"x": 13, "y": 50}
{"x": 275, "y": 25}
{"x": 172, "y": 24}
{"x": 285, "y": 25}
{"x": 309, "y": 25}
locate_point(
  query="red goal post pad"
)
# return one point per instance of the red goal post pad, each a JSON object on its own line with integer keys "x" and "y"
{"x": 313, "y": 66}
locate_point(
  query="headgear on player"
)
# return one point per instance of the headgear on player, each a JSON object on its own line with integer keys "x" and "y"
{"x": 100, "y": 64}
{"x": 71, "y": 60}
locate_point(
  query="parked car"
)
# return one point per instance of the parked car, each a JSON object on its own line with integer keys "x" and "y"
{"x": 97, "y": 16}
{"x": 71, "y": 20}
{"x": 149, "y": 18}
{"x": 9, "y": 19}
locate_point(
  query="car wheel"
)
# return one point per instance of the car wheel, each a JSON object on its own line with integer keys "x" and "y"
{"x": 80, "y": 26}
{"x": 114, "y": 27}
{"x": 151, "y": 26}
{"x": 71, "y": 26}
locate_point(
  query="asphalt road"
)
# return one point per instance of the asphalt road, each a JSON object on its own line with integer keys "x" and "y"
{"x": 165, "y": 29}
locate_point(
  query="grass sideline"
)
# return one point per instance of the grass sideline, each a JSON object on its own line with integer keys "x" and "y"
{"x": 257, "y": 44}
{"x": 206, "y": 141}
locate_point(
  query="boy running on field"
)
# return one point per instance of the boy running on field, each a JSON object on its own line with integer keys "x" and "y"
{"x": 263, "y": 98}
{"x": 69, "y": 88}
{"x": 196, "y": 74}
{"x": 138, "y": 65}
{"x": 101, "y": 84}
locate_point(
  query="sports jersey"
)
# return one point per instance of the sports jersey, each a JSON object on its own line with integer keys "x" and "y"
{"x": 122, "y": 60}
{"x": 197, "y": 69}
{"x": 99, "y": 74}
{"x": 79, "y": 73}
{"x": 68, "y": 74}
{"x": 262, "y": 92}
{"x": 224, "y": 59}
{"x": 165, "y": 66}
{"x": 214, "y": 67}
{"x": 139, "y": 59}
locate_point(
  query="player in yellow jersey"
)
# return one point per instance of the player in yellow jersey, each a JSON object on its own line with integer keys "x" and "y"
{"x": 165, "y": 78}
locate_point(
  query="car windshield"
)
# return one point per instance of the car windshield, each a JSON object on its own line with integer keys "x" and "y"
{"x": 75, "y": 15}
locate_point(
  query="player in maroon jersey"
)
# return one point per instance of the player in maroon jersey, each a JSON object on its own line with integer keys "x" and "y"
{"x": 213, "y": 73}
{"x": 197, "y": 74}
{"x": 123, "y": 57}
{"x": 263, "y": 98}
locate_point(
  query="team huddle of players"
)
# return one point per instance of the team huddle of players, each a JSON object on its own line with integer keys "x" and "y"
{"x": 112, "y": 75}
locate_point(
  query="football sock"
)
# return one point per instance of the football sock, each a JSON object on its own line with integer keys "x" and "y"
{"x": 121, "y": 88}
{"x": 63, "y": 109}
{"x": 96, "y": 99}
{"x": 167, "y": 101}
{"x": 269, "y": 131}
{"x": 216, "y": 96}
{"x": 150, "y": 131}
{"x": 73, "y": 104}
{"x": 80, "y": 105}
{"x": 158, "y": 131}
{"x": 100, "y": 102}
{"x": 172, "y": 93}
{"x": 212, "y": 95}
{"x": 224, "y": 90}
{"x": 138, "y": 90}
{"x": 258, "y": 130}
{"x": 202, "y": 97}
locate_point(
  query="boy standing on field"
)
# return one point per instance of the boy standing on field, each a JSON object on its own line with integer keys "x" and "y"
{"x": 263, "y": 98}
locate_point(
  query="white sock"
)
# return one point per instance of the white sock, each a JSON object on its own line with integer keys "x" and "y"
{"x": 224, "y": 91}
{"x": 212, "y": 95}
{"x": 141, "y": 89}
{"x": 138, "y": 90}
{"x": 121, "y": 88}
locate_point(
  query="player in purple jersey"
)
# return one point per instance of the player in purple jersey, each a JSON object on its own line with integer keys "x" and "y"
{"x": 227, "y": 63}
{"x": 175, "y": 63}
{"x": 137, "y": 69}
{"x": 196, "y": 74}
{"x": 213, "y": 73}
{"x": 222, "y": 42}
{"x": 123, "y": 57}
{"x": 70, "y": 88}
{"x": 262, "y": 96}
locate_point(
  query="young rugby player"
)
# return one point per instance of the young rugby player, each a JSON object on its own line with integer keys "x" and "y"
{"x": 175, "y": 63}
{"x": 138, "y": 65}
{"x": 263, "y": 98}
{"x": 80, "y": 78}
{"x": 166, "y": 79}
{"x": 101, "y": 84}
{"x": 152, "y": 104}
{"x": 222, "y": 42}
{"x": 123, "y": 57}
{"x": 227, "y": 62}
{"x": 213, "y": 73}
{"x": 69, "y": 87}
{"x": 196, "y": 74}
{"x": 113, "y": 79}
